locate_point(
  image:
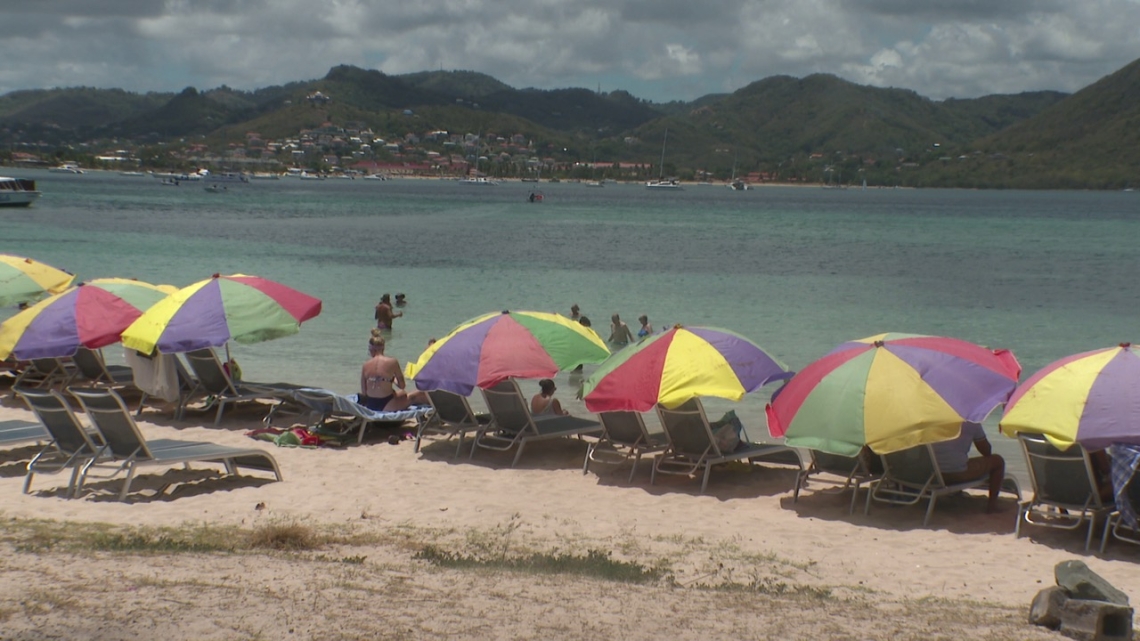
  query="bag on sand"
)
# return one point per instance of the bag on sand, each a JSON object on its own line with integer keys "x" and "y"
{"x": 726, "y": 432}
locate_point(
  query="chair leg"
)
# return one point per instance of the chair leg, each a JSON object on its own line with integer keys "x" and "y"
{"x": 28, "y": 481}
{"x": 1092, "y": 527}
{"x": 929, "y": 510}
{"x": 142, "y": 402}
{"x": 854, "y": 496}
{"x": 653, "y": 471}
{"x": 459, "y": 446}
{"x": 586, "y": 462}
{"x": 127, "y": 482}
{"x": 518, "y": 454}
{"x": 221, "y": 408}
{"x": 633, "y": 468}
{"x": 71, "y": 491}
{"x": 1107, "y": 529}
{"x": 705, "y": 482}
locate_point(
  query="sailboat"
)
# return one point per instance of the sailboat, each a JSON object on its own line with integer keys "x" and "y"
{"x": 661, "y": 183}
{"x": 737, "y": 184}
{"x": 593, "y": 181}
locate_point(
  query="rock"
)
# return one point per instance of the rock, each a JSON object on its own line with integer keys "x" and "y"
{"x": 1082, "y": 583}
{"x": 1046, "y": 607}
{"x": 1096, "y": 621}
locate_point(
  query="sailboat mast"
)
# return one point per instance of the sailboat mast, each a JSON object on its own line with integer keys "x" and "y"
{"x": 661, "y": 167}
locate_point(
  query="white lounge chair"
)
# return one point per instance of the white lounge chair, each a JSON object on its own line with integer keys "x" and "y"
{"x": 1065, "y": 493}
{"x": 624, "y": 436}
{"x": 217, "y": 384}
{"x": 127, "y": 449}
{"x": 331, "y": 406}
{"x": 853, "y": 470}
{"x": 453, "y": 416}
{"x": 71, "y": 446}
{"x": 912, "y": 475}
{"x": 692, "y": 446}
{"x": 512, "y": 424}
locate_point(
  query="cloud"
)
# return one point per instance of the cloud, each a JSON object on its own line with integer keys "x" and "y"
{"x": 658, "y": 49}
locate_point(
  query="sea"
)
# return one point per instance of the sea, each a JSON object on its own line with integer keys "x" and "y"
{"x": 798, "y": 270}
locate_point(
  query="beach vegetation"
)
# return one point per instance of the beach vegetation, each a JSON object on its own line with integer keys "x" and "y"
{"x": 598, "y": 564}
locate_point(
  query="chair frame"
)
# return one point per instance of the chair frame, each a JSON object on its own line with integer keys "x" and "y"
{"x": 44, "y": 373}
{"x": 71, "y": 446}
{"x": 93, "y": 370}
{"x": 325, "y": 403}
{"x": 127, "y": 449}
{"x": 453, "y": 416}
{"x": 512, "y": 423}
{"x": 626, "y": 433}
{"x": 188, "y": 389}
{"x": 898, "y": 487}
{"x": 214, "y": 380}
{"x": 1115, "y": 525}
{"x": 692, "y": 448}
{"x": 852, "y": 469}
{"x": 1047, "y": 511}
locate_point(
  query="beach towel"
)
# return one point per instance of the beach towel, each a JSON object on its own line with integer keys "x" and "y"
{"x": 1125, "y": 460}
{"x": 330, "y": 402}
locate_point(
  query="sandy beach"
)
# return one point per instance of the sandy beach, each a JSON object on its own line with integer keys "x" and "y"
{"x": 741, "y": 561}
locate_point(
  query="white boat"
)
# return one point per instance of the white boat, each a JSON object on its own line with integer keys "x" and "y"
{"x": 593, "y": 183}
{"x": 739, "y": 185}
{"x": 661, "y": 183}
{"x": 224, "y": 177}
{"x": 17, "y": 192}
{"x": 133, "y": 174}
{"x": 264, "y": 175}
{"x": 477, "y": 181}
{"x": 67, "y": 168}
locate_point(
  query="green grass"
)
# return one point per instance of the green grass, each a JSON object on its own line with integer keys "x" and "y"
{"x": 594, "y": 563}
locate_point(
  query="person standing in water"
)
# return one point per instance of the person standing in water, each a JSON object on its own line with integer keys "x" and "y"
{"x": 619, "y": 332}
{"x": 384, "y": 314}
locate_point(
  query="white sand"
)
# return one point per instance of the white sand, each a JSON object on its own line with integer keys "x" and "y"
{"x": 886, "y": 575}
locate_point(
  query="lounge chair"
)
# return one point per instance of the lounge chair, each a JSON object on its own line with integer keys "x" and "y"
{"x": 1065, "y": 493}
{"x": 513, "y": 425}
{"x": 217, "y": 384}
{"x": 127, "y": 449}
{"x": 452, "y": 417}
{"x": 331, "y": 406}
{"x": 93, "y": 370}
{"x": 912, "y": 475}
{"x": 692, "y": 446}
{"x": 71, "y": 446}
{"x": 854, "y": 471}
{"x": 43, "y": 373}
{"x": 624, "y": 435}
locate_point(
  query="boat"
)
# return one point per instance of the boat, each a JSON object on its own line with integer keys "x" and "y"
{"x": 67, "y": 168}
{"x": 224, "y": 177}
{"x": 133, "y": 174}
{"x": 737, "y": 184}
{"x": 661, "y": 183}
{"x": 480, "y": 180}
{"x": 17, "y": 192}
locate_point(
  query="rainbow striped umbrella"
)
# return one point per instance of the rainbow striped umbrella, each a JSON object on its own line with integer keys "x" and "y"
{"x": 1092, "y": 398}
{"x": 677, "y": 365}
{"x": 246, "y": 309}
{"x": 91, "y": 315}
{"x": 891, "y": 392}
{"x": 23, "y": 280}
{"x": 487, "y": 350}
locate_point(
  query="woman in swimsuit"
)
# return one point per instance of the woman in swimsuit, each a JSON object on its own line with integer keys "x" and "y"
{"x": 544, "y": 403}
{"x": 646, "y": 328}
{"x": 382, "y": 381}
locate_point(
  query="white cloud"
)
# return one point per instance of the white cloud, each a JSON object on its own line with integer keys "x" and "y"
{"x": 666, "y": 49}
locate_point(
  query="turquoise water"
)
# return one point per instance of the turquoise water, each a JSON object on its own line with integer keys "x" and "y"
{"x": 798, "y": 270}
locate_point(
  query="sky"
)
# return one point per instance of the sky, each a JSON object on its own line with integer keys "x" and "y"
{"x": 658, "y": 50}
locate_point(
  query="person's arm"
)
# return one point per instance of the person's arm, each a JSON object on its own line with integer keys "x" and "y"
{"x": 363, "y": 381}
{"x": 983, "y": 445}
{"x": 399, "y": 377}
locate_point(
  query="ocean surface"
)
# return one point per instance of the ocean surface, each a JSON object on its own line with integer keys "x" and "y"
{"x": 798, "y": 270}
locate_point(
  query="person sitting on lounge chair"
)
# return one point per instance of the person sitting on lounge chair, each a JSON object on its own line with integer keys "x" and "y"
{"x": 382, "y": 381}
{"x": 544, "y": 403}
{"x": 957, "y": 466}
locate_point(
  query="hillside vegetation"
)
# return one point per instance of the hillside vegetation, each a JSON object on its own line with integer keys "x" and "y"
{"x": 809, "y": 129}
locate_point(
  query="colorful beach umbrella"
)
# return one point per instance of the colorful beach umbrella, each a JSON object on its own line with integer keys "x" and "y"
{"x": 487, "y": 350}
{"x": 677, "y": 365}
{"x": 246, "y": 309}
{"x": 91, "y": 315}
{"x": 23, "y": 280}
{"x": 891, "y": 392}
{"x": 1092, "y": 398}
